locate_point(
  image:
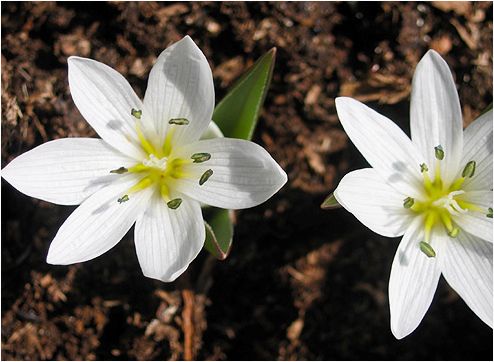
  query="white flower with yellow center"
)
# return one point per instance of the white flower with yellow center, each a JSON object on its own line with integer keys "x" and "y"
{"x": 435, "y": 189}
{"x": 149, "y": 167}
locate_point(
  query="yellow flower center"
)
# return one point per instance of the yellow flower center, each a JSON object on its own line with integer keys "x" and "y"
{"x": 441, "y": 202}
{"x": 159, "y": 169}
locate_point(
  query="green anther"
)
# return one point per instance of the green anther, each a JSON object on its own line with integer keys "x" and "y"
{"x": 427, "y": 249}
{"x": 200, "y": 157}
{"x": 179, "y": 121}
{"x": 469, "y": 169}
{"x": 408, "y": 202}
{"x": 439, "y": 152}
{"x": 137, "y": 113}
{"x": 454, "y": 232}
{"x": 120, "y": 170}
{"x": 123, "y": 199}
{"x": 423, "y": 167}
{"x": 205, "y": 176}
{"x": 174, "y": 204}
{"x": 489, "y": 212}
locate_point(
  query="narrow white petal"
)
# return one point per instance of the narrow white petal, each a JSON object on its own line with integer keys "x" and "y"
{"x": 376, "y": 204}
{"x": 98, "y": 224}
{"x": 413, "y": 281}
{"x": 105, "y": 99}
{"x": 476, "y": 222}
{"x": 168, "y": 240}
{"x": 435, "y": 113}
{"x": 244, "y": 174}
{"x": 477, "y": 147}
{"x": 213, "y": 131}
{"x": 180, "y": 86}
{"x": 467, "y": 267}
{"x": 383, "y": 144}
{"x": 65, "y": 171}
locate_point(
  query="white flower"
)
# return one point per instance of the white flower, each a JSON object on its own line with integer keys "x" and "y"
{"x": 149, "y": 167}
{"x": 435, "y": 189}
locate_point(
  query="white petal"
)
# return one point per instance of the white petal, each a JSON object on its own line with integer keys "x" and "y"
{"x": 435, "y": 113}
{"x": 65, "y": 171}
{"x": 476, "y": 222}
{"x": 477, "y": 146}
{"x": 376, "y": 204}
{"x": 168, "y": 240}
{"x": 383, "y": 144}
{"x": 105, "y": 99}
{"x": 413, "y": 281}
{"x": 467, "y": 267}
{"x": 213, "y": 131}
{"x": 98, "y": 224}
{"x": 244, "y": 174}
{"x": 180, "y": 86}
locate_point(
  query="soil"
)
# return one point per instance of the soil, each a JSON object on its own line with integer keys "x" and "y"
{"x": 300, "y": 282}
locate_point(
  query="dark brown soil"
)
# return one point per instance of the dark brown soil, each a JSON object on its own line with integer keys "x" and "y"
{"x": 300, "y": 283}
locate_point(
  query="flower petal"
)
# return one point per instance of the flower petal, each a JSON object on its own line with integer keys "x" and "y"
{"x": 476, "y": 222}
{"x": 180, "y": 86}
{"x": 413, "y": 282}
{"x": 376, "y": 204}
{"x": 244, "y": 174}
{"x": 213, "y": 131}
{"x": 105, "y": 99}
{"x": 383, "y": 144}
{"x": 435, "y": 113}
{"x": 477, "y": 146}
{"x": 98, "y": 224}
{"x": 467, "y": 268}
{"x": 168, "y": 240}
{"x": 65, "y": 171}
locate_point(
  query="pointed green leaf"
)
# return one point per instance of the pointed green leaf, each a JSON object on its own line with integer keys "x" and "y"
{"x": 238, "y": 111}
{"x": 330, "y": 202}
{"x": 219, "y": 232}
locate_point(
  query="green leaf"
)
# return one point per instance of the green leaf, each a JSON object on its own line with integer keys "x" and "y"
{"x": 219, "y": 232}
{"x": 236, "y": 116}
{"x": 237, "y": 113}
{"x": 330, "y": 202}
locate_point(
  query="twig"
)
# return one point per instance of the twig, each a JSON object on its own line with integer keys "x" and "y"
{"x": 188, "y": 324}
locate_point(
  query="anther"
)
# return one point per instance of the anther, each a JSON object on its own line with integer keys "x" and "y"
{"x": 205, "y": 176}
{"x": 469, "y": 169}
{"x": 120, "y": 170}
{"x": 489, "y": 212}
{"x": 200, "y": 157}
{"x": 174, "y": 204}
{"x": 427, "y": 249}
{"x": 439, "y": 152}
{"x": 408, "y": 202}
{"x": 454, "y": 232}
{"x": 179, "y": 121}
{"x": 124, "y": 198}
{"x": 137, "y": 113}
{"x": 423, "y": 167}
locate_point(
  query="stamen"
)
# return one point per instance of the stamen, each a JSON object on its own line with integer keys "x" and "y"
{"x": 427, "y": 249}
{"x": 137, "y": 113}
{"x": 205, "y": 176}
{"x": 408, "y": 202}
{"x": 120, "y": 170}
{"x": 423, "y": 168}
{"x": 174, "y": 204}
{"x": 124, "y": 198}
{"x": 454, "y": 233}
{"x": 179, "y": 121}
{"x": 439, "y": 152}
{"x": 200, "y": 157}
{"x": 469, "y": 169}
{"x": 489, "y": 212}
{"x": 141, "y": 185}
{"x": 148, "y": 147}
